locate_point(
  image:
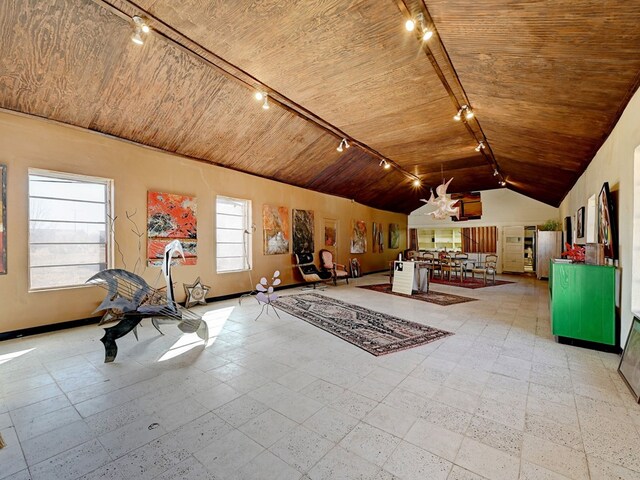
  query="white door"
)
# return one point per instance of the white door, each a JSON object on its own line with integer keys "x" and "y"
{"x": 513, "y": 249}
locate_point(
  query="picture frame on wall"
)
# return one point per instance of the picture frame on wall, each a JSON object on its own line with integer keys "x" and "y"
{"x": 580, "y": 223}
{"x": 607, "y": 233}
{"x": 629, "y": 366}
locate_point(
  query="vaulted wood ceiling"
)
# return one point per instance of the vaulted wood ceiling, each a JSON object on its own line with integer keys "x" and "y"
{"x": 547, "y": 80}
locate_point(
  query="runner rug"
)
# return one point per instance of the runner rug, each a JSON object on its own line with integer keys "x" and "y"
{"x": 439, "y": 298}
{"x": 468, "y": 282}
{"x": 375, "y": 332}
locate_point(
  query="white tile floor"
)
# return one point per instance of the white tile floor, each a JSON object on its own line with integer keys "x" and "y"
{"x": 281, "y": 399}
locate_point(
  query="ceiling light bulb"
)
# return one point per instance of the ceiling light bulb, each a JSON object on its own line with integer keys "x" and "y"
{"x": 410, "y": 25}
{"x": 416, "y": 182}
{"x": 145, "y": 28}
{"x": 258, "y": 96}
{"x": 387, "y": 165}
{"x": 495, "y": 172}
{"x": 457, "y": 117}
{"x": 137, "y": 38}
{"x": 426, "y": 35}
{"x": 469, "y": 114}
{"x": 339, "y": 147}
{"x": 346, "y": 144}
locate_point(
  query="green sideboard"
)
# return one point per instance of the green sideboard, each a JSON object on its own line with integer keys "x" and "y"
{"x": 582, "y": 301}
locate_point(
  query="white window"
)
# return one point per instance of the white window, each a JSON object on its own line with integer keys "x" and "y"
{"x": 233, "y": 227}
{"x": 69, "y": 236}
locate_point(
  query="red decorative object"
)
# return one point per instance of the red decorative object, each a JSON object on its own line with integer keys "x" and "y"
{"x": 575, "y": 253}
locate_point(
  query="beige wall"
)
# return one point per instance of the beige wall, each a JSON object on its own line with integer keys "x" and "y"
{"x": 33, "y": 143}
{"x": 614, "y": 163}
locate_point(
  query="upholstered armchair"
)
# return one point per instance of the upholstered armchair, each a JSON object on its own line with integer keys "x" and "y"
{"x": 309, "y": 271}
{"x": 338, "y": 271}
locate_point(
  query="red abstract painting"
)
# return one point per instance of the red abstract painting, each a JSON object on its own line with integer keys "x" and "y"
{"x": 171, "y": 217}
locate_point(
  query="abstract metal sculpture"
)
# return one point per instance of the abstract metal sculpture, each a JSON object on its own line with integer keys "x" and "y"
{"x": 130, "y": 294}
{"x": 266, "y": 294}
{"x": 443, "y": 204}
{"x": 196, "y": 293}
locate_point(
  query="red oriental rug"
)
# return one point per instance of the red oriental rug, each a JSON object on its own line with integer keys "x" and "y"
{"x": 439, "y": 298}
{"x": 468, "y": 282}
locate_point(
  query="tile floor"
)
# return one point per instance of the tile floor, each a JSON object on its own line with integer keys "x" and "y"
{"x": 281, "y": 399}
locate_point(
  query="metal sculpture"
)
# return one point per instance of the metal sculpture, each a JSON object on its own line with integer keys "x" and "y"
{"x": 266, "y": 295}
{"x": 131, "y": 296}
{"x": 443, "y": 203}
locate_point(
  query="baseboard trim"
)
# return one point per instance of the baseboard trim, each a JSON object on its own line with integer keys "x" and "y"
{"x": 54, "y": 327}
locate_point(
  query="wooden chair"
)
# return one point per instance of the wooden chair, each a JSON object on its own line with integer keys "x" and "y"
{"x": 338, "y": 271}
{"x": 489, "y": 268}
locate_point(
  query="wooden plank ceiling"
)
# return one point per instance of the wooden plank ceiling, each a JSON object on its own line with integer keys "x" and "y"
{"x": 547, "y": 81}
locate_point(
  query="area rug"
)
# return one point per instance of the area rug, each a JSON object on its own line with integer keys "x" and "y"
{"x": 374, "y": 332}
{"x": 468, "y": 282}
{"x": 439, "y": 298}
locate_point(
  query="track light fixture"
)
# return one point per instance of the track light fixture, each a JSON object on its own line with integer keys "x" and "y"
{"x": 417, "y": 182}
{"x": 140, "y": 28}
{"x": 343, "y": 144}
{"x": 480, "y": 146}
{"x": 466, "y": 110}
{"x": 384, "y": 164}
{"x": 425, "y": 32}
{"x": 502, "y": 183}
{"x": 265, "y": 101}
{"x": 495, "y": 172}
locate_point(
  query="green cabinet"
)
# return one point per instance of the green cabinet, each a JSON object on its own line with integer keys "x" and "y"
{"x": 583, "y": 302}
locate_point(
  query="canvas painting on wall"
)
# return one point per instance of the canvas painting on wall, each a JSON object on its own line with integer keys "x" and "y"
{"x": 3, "y": 219}
{"x": 469, "y": 206}
{"x": 580, "y": 223}
{"x": 330, "y": 232}
{"x": 275, "y": 224}
{"x": 358, "y": 236}
{"x": 606, "y": 227}
{"x": 303, "y": 231}
{"x": 377, "y": 241}
{"x": 171, "y": 217}
{"x": 394, "y": 235}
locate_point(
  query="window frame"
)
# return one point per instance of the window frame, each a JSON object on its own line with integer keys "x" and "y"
{"x": 247, "y": 226}
{"x": 109, "y": 216}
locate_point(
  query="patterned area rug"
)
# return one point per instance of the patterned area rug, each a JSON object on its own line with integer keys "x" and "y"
{"x": 439, "y": 298}
{"x": 375, "y": 332}
{"x": 468, "y": 282}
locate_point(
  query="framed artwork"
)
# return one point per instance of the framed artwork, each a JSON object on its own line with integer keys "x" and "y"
{"x": 580, "y": 223}
{"x": 3, "y": 219}
{"x": 607, "y": 234}
{"x": 330, "y": 233}
{"x": 394, "y": 235}
{"x": 629, "y": 367}
{"x": 303, "y": 231}
{"x": 376, "y": 237}
{"x": 171, "y": 217}
{"x": 275, "y": 225}
{"x": 358, "y": 236}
